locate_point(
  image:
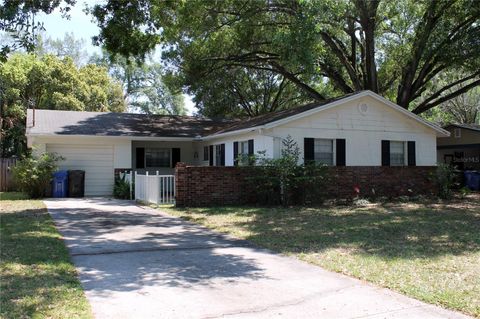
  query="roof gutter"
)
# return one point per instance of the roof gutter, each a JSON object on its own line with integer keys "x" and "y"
{"x": 123, "y": 137}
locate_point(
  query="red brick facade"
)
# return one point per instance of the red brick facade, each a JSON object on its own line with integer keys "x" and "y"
{"x": 213, "y": 185}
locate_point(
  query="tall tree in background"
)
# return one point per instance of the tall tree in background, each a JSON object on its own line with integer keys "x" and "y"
{"x": 49, "y": 83}
{"x": 237, "y": 92}
{"x": 17, "y": 18}
{"x": 463, "y": 109}
{"x": 69, "y": 46}
{"x": 144, "y": 88}
{"x": 323, "y": 48}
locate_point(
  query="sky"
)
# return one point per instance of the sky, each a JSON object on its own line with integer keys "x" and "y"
{"x": 81, "y": 25}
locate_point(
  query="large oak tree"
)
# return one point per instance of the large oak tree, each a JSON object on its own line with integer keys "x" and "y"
{"x": 321, "y": 47}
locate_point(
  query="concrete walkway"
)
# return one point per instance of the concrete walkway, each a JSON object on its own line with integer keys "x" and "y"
{"x": 135, "y": 262}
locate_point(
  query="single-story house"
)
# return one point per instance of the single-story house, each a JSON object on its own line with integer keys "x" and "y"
{"x": 462, "y": 147}
{"x": 359, "y": 129}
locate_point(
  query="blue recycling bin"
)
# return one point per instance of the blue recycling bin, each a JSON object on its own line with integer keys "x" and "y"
{"x": 60, "y": 184}
{"x": 472, "y": 180}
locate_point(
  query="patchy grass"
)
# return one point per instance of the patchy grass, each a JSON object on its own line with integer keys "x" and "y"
{"x": 37, "y": 279}
{"x": 427, "y": 250}
{"x": 13, "y": 196}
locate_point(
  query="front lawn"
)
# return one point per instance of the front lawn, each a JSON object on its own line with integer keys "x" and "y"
{"x": 37, "y": 278}
{"x": 428, "y": 250}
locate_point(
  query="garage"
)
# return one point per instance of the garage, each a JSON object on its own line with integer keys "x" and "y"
{"x": 95, "y": 160}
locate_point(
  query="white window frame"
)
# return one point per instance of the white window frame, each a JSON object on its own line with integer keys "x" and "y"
{"x": 242, "y": 152}
{"x": 404, "y": 143}
{"x": 334, "y": 150}
{"x": 241, "y": 145}
{"x": 169, "y": 151}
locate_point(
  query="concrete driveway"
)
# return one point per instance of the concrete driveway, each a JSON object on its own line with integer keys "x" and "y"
{"x": 135, "y": 262}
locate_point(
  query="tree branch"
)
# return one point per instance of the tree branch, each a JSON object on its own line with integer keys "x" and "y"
{"x": 427, "y": 104}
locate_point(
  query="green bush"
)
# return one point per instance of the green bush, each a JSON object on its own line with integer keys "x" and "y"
{"x": 284, "y": 181}
{"x": 33, "y": 175}
{"x": 121, "y": 188}
{"x": 445, "y": 179}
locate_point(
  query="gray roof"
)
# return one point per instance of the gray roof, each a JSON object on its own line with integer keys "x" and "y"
{"x": 48, "y": 122}
{"x": 119, "y": 124}
{"x": 473, "y": 127}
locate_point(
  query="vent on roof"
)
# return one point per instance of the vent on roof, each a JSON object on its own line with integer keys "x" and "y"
{"x": 363, "y": 108}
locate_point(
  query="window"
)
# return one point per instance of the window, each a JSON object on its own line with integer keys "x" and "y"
{"x": 323, "y": 151}
{"x": 397, "y": 153}
{"x": 243, "y": 148}
{"x": 457, "y": 132}
{"x": 218, "y": 155}
{"x": 157, "y": 157}
{"x": 205, "y": 153}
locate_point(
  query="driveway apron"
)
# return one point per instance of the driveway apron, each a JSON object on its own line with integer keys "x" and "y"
{"x": 136, "y": 262}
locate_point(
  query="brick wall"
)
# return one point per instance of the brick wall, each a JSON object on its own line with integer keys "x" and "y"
{"x": 210, "y": 186}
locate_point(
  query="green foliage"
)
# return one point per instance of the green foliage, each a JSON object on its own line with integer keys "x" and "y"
{"x": 121, "y": 188}
{"x": 49, "y": 82}
{"x": 18, "y": 19}
{"x": 320, "y": 48}
{"x": 143, "y": 84}
{"x": 463, "y": 109}
{"x": 445, "y": 179}
{"x": 284, "y": 181}
{"x": 33, "y": 174}
{"x": 69, "y": 47}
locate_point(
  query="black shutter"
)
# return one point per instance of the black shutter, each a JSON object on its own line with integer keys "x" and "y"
{"x": 341, "y": 152}
{"x": 412, "y": 161}
{"x": 175, "y": 156}
{"x": 222, "y": 154}
{"x": 140, "y": 157}
{"x": 250, "y": 147}
{"x": 235, "y": 153}
{"x": 205, "y": 153}
{"x": 211, "y": 156}
{"x": 308, "y": 152}
{"x": 385, "y": 153}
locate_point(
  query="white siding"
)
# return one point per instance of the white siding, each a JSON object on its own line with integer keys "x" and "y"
{"x": 260, "y": 143}
{"x": 95, "y": 160}
{"x": 363, "y": 132}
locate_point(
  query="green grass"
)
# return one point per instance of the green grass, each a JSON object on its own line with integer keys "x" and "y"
{"x": 429, "y": 250}
{"x": 12, "y": 196}
{"x": 37, "y": 279}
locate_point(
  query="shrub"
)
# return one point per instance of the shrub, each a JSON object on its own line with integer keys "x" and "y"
{"x": 33, "y": 174}
{"x": 284, "y": 181}
{"x": 121, "y": 188}
{"x": 445, "y": 179}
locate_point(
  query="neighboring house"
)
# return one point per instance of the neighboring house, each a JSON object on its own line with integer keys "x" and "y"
{"x": 462, "y": 148}
{"x": 360, "y": 129}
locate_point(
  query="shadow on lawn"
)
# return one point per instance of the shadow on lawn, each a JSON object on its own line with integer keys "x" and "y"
{"x": 35, "y": 271}
{"x": 395, "y": 232}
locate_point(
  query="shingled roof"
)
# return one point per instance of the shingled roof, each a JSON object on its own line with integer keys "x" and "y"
{"x": 51, "y": 122}
{"x": 473, "y": 127}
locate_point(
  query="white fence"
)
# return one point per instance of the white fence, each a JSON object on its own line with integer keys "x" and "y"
{"x": 158, "y": 189}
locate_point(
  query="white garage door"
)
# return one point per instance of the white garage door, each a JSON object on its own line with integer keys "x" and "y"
{"x": 95, "y": 160}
